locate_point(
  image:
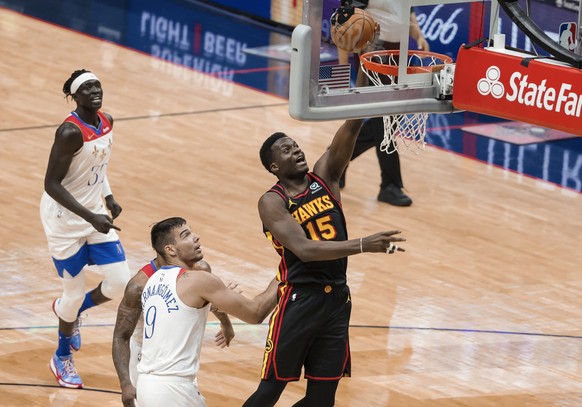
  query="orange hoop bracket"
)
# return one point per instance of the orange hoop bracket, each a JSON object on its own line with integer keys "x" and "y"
{"x": 373, "y": 61}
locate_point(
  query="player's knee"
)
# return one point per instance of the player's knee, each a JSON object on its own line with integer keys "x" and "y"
{"x": 69, "y": 305}
{"x": 321, "y": 393}
{"x": 267, "y": 394}
{"x": 116, "y": 277}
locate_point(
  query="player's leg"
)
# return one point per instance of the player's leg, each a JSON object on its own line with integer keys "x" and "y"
{"x": 298, "y": 317}
{"x": 267, "y": 394}
{"x": 116, "y": 277}
{"x": 389, "y": 163}
{"x": 319, "y": 393}
{"x": 328, "y": 359}
{"x": 73, "y": 279}
{"x": 391, "y": 176}
{"x": 106, "y": 251}
{"x": 66, "y": 309}
{"x": 67, "y": 247}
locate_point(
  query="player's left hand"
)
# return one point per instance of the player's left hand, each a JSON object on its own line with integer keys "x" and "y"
{"x": 225, "y": 335}
{"x": 422, "y": 44}
{"x": 372, "y": 45}
{"x": 113, "y": 207}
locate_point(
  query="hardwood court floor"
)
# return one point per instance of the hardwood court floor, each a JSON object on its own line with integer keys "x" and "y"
{"x": 483, "y": 309}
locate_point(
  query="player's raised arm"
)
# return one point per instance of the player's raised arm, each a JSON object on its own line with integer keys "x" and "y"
{"x": 334, "y": 161}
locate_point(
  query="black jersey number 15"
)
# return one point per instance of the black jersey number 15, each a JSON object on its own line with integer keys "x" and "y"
{"x": 321, "y": 229}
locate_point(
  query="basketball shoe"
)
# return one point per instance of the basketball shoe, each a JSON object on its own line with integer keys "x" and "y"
{"x": 394, "y": 196}
{"x": 76, "y": 335}
{"x": 65, "y": 372}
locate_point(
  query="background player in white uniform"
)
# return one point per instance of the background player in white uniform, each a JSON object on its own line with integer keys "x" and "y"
{"x": 79, "y": 230}
{"x": 175, "y": 307}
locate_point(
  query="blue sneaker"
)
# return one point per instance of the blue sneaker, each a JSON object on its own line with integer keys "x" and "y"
{"x": 76, "y": 336}
{"x": 65, "y": 372}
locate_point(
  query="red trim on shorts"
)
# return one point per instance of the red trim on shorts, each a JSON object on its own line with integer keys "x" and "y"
{"x": 337, "y": 377}
{"x": 271, "y": 360}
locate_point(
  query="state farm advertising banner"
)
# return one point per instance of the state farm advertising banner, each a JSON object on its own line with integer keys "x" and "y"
{"x": 537, "y": 92}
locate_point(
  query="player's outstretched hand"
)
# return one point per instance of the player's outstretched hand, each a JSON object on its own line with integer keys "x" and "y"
{"x": 382, "y": 242}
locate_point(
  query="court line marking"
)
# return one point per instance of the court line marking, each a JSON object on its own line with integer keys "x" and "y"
{"x": 54, "y": 386}
{"x": 395, "y": 327}
{"x": 156, "y": 116}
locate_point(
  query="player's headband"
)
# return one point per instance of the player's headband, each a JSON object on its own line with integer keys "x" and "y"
{"x": 81, "y": 79}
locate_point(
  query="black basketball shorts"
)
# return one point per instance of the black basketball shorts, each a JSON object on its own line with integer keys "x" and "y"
{"x": 309, "y": 328}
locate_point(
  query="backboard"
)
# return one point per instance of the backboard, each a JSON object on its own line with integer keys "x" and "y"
{"x": 311, "y": 102}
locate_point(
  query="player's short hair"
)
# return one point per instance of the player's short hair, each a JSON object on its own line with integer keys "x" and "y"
{"x": 161, "y": 233}
{"x": 266, "y": 153}
{"x": 74, "y": 75}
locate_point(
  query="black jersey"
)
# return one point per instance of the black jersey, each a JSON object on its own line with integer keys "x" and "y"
{"x": 321, "y": 216}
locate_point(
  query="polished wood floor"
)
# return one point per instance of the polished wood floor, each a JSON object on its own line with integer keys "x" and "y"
{"x": 482, "y": 310}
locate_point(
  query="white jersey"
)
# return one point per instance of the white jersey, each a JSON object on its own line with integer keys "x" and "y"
{"x": 88, "y": 169}
{"x": 173, "y": 331}
{"x": 388, "y": 13}
{"x": 66, "y": 231}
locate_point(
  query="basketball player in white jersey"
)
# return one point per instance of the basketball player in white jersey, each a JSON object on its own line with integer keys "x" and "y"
{"x": 75, "y": 218}
{"x": 175, "y": 302}
{"x": 222, "y": 338}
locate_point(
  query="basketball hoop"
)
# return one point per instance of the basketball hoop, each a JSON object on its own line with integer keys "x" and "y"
{"x": 402, "y": 132}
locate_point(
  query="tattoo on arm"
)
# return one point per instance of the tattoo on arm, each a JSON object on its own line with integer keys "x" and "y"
{"x": 127, "y": 316}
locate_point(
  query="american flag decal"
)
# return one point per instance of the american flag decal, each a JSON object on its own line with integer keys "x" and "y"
{"x": 334, "y": 76}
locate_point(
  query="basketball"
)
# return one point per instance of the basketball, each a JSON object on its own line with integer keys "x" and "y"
{"x": 352, "y": 28}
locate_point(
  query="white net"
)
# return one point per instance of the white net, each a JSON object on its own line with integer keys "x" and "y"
{"x": 402, "y": 132}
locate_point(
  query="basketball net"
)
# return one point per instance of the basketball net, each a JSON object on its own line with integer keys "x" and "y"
{"x": 402, "y": 132}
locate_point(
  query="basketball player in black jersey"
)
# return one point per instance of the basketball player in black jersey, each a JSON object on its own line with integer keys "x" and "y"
{"x": 302, "y": 215}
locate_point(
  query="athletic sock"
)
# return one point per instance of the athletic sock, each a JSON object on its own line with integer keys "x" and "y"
{"x": 87, "y": 303}
{"x": 64, "y": 348}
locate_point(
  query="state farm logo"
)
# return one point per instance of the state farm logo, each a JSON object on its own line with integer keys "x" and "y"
{"x": 490, "y": 84}
{"x": 536, "y": 94}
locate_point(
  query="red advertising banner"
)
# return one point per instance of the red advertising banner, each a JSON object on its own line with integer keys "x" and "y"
{"x": 507, "y": 84}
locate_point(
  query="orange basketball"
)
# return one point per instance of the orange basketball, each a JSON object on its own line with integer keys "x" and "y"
{"x": 352, "y": 28}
